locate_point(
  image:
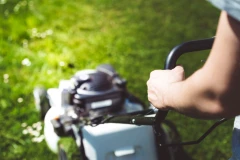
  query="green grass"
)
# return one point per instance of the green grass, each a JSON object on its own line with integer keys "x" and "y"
{"x": 61, "y": 37}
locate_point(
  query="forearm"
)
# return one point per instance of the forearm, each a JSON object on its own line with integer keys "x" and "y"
{"x": 214, "y": 90}
{"x": 192, "y": 98}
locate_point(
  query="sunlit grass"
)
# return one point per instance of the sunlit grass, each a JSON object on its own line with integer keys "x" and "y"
{"x": 44, "y": 41}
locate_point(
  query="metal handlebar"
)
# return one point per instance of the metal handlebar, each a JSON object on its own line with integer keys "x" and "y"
{"x": 142, "y": 118}
{"x": 187, "y": 47}
{"x": 170, "y": 63}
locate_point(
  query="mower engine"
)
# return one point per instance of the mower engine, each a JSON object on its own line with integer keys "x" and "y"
{"x": 69, "y": 109}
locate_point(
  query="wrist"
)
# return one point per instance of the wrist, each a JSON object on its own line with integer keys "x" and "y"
{"x": 168, "y": 98}
{"x": 173, "y": 92}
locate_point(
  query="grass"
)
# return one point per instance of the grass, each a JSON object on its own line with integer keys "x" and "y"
{"x": 44, "y": 41}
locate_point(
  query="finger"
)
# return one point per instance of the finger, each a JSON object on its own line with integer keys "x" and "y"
{"x": 152, "y": 97}
{"x": 148, "y": 82}
{"x": 151, "y": 94}
{"x": 178, "y": 69}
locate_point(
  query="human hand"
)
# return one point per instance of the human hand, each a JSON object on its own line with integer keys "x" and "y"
{"x": 159, "y": 83}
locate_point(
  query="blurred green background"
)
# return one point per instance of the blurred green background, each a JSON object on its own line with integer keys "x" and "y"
{"x": 43, "y": 41}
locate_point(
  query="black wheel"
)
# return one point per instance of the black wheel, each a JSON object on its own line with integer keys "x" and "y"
{"x": 41, "y": 101}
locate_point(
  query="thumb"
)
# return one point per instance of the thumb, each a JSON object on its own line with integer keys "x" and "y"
{"x": 178, "y": 69}
{"x": 179, "y": 72}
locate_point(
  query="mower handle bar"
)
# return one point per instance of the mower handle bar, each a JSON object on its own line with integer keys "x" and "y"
{"x": 171, "y": 61}
{"x": 142, "y": 118}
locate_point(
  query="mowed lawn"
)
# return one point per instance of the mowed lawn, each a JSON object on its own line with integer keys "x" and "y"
{"x": 44, "y": 41}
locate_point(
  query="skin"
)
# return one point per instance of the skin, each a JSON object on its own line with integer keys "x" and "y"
{"x": 212, "y": 91}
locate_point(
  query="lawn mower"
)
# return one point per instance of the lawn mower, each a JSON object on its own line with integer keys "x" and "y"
{"x": 107, "y": 122}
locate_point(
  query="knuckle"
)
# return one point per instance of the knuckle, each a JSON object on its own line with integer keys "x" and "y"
{"x": 148, "y": 82}
{"x": 153, "y": 73}
{"x": 180, "y": 69}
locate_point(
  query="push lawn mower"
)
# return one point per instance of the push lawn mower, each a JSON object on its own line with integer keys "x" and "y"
{"x": 106, "y": 121}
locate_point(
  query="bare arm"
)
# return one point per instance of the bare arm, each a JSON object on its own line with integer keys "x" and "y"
{"x": 211, "y": 92}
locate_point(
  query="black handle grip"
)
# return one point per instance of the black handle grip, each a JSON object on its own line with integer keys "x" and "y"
{"x": 171, "y": 61}
{"x": 187, "y": 47}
